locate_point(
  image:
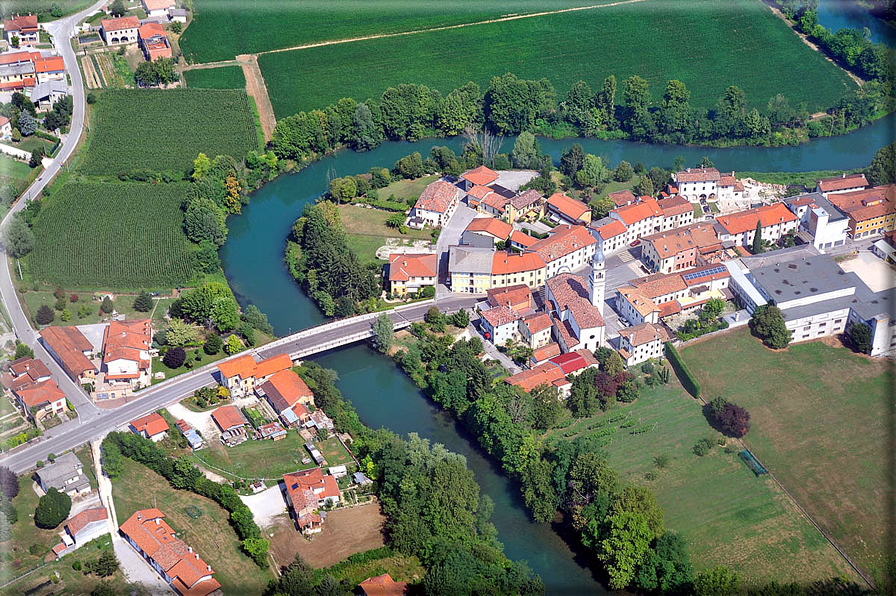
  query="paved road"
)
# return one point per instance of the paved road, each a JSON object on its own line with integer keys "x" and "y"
{"x": 450, "y": 236}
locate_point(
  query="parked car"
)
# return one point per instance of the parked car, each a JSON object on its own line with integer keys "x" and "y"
{"x": 635, "y": 243}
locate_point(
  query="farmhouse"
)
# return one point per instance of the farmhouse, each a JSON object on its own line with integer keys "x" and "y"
{"x": 242, "y": 374}
{"x": 486, "y": 231}
{"x": 152, "y": 426}
{"x": 841, "y": 184}
{"x": 436, "y": 205}
{"x": 66, "y": 474}
{"x": 288, "y": 395}
{"x": 232, "y": 425}
{"x": 153, "y": 40}
{"x": 126, "y": 356}
{"x": 828, "y": 225}
{"x": 410, "y": 273}
{"x": 71, "y": 350}
{"x": 565, "y": 249}
{"x": 564, "y": 209}
{"x": 307, "y": 491}
{"x": 871, "y": 211}
{"x": 383, "y": 585}
{"x": 157, "y": 8}
{"x": 642, "y": 342}
{"x": 120, "y": 30}
{"x": 147, "y": 531}
{"x": 23, "y": 27}
{"x": 649, "y": 299}
{"x": 776, "y": 220}
{"x": 40, "y": 399}
{"x": 683, "y": 248}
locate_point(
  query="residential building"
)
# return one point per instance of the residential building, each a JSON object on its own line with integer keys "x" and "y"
{"x": 621, "y": 198}
{"x": 514, "y": 268}
{"x": 475, "y": 270}
{"x": 410, "y": 273}
{"x": 157, "y": 8}
{"x": 436, "y": 205}
{"x": 682, "y": 248}
{"x": 71, "y": 349}
{"x": 545, "y": 352}
{"x": 827, "y": 225}
{"x": 491, "y": 203}
{"x": 640, "y": 219}
{"x": 232, "y": 424}
{"x": 121, "y": 30}
{"x": 520, "y": 240}
{"x": 841, "y": 184}
{"x": 17, "y": 71}
{"x": 153, "y": 40}
{"x": 152, "y": 537}
{"x": 41, "y": 399}
{"x": 241, "y": 375}
{"x": 566, "y": 249}
{"x": 126, "y": 352}
{"x": 649, "y": 299}
{"x": 66, "y": 474}
{"x": 610, "y": 233}
{"x": 83, "y": 527}
{"x": 49, "y": 68}
{"x": 383, "y": 585}
{"x": 306, "y": 492}
{"x": 871, "y": 212}
{"x": 776, "y": 220}
{"x": 24, "y": 27}
{"x": 48, "y": 92}
{"x": 517, "y": 297}
{"x": 729, "y": 187}
{"x": 527, "y": 205}
{"x": 563, "y": 209}
{"x": 5, "y": 128}
{"x": 698, "y": 185}
{"x": 535, "y": 330}
{"x": 481, "y": 176}
{"x": 289, "y": 396}
{"x": 576, "y": 307}
{"x": 546, "y": 373}
{"x": 575, "y": 362}
{"x": 486, "y": 231}
{"x": 642, "y": 342}
{"x": 677, "y": 212}
{"x": 177, "y": 15}
{"x": 500, "y": 324}
{"x": 152, "y": 427}
{"x": 26, "y": 371}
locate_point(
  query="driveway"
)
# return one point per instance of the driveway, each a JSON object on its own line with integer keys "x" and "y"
{"x": 267, "y": 505}
{"x": 514, "y": 179}
{"x": 15, "y": 152}
{"x": 450, "y": 236}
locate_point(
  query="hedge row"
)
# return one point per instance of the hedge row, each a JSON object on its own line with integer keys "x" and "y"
{"x": 688, "y": 381}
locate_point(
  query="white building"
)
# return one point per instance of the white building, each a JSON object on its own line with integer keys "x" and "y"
{"x": 576, "y": 307}
{"x": 157, "y": 8}
{"x": 436, "y": 205}
{"x": 649, "y": 299}
{"x": 819, "y": 217}
{"x": 839, "y": 184}
{"x": 566, "y": 249}
{"x": 740, "y": 228}
{"x": 500, "y": 324}
{"x": 122, "y": 30}
{"x": 642, "y": 342}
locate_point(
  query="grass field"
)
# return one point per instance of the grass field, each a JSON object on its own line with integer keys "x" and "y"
{"x": 210, "y": 535}
{"x": 112, "y": 235}
{"x": 728, "y": 516}
{"x": 708, "y": 44}
{"x": 405, "y": 189}
{"x": 161, "y": 130}
{"x": 818, "y": 422}
{"x": 122, "y": 304}
{"x": 225, "y": 77}
{"x": 218, "y": 31}
{"x": 15, "y": 172}
{"x": 366, "y": 231}
{"x": 257, "y": 459}
{"x": 159, "y": 366}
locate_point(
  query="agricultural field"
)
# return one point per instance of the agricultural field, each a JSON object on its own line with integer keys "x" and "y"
{"x": 218, "y": 30}
{"x": 727, "y": 515}
{"x": 165, "y": 129}
{"x": 224, "y": 77}
{"x": 709, "y": 45}
{"x": 818, "y": 422}
{"x": 112, "y": 236}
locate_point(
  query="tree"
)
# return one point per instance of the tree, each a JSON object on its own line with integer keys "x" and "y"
{"x": 571, "y": 160}
{"x": 605, "y": 103}
{"x": 384, "y": 333}
{"x": 113, "y": 465}
{"x": 546, "y": 407}
{"x": 23, "y": 351}
{"x": 757, "y": 238}
{"x": 859, "y": 335}
{"x": 143, "y": 302}
{"x": 257, "y": 549}
{"x": 625, "y": 547}
{"x": 526, "y": 152}
{"x": 9, "y": 483}
{"x": 201, "y": 166}
{"x": 45, "y": 315}
{"x": 667, "y": 567}
{"x": 27, "y": 124}
{"x": 52, "y": 509}
{"x": 623, "y": 172}
{"x": 205, "y": 220}
{"x": 180, "y": 333}
{"x": 106, "y": 564}
{"x": 768, "y": 324}
{"x": 257, "y": 319}
{"x": 233, "y": 345}
{"x": 174, "y": 358}
{"x": 644, "y": 188}
{"x": 213, "y": 344}
{"x": 883, "y": 166}
{"x": 106, "y": 305}
{"x": 117, "y": 8}
{"x": 718, "y": 581}
{"x": 343, "y": 190}
{"x": 592, "y": 171}
{"x": 460, "y": 319}
{"x": 177, "y": 27}
{"x": 734, "y": 420}
{"x": 102, "y": 588}
{"x": 225, "y": 313}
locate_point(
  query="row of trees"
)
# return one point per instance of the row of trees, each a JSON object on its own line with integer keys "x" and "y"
{"x": 155, "y": 73}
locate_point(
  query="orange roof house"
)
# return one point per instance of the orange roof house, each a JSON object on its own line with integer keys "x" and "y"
{"x": 621, "y": 198}
{"x": 49, "y": 64}
{"x": 69, "y": 346}
{"x": 841, "y": 183}
{"x": 242, "y": 373}
{"x": 745, "y": 221}
{"x": 306, "y": 491}
{"x": 285, "y": 389}
{"x": 154, "y": 41}
{"x": 563, "y": 240}
{"x": 498, "y": 229}
{"x": 152, "y": 426}
{"x": 404, "y": 266}
{"x": 518, "y": 297}
{"x": 154, "y": 5}
{"x": 22, "y": 26}
{"x": 546, "y": 373}
{"x": 437, "y": 197}
{"x": 646, "y": 208}
{"x": 481, "y": 176}
{"x": 120, "y": 24}
{"x": 383, "y": 585}
{"x": 228, "y": 417}
{"x": 504, "y": 263}
{"x": 521, "y": 239}
{"x": 272, "y": 365}
{"x": 39, "y": 395}
{"x": 127, "y": 341}
{"x": 568, "y": 208}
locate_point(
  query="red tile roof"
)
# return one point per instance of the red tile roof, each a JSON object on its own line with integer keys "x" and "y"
{"x": 659, "y": 284}
{"x": 497, "y": 228}
{"x": 537, "y": 322}
{"x": 480, "y": 176}
{"x": 545, "y": 373}
{"x": 574, "y": 361}
{"x": 572, "y": 292}
{"x": 37, "y": 394}
{"x": 698, "y": 175}
{"x": 383, "y": 585}
{"x": 437, "y": 197}
{"x": 285, "y": 388}
{"x": 621, "y": 198}
{"x": 638, "y": 300}
{"x": 124, "y": 340}
{"x": 567, "y": 206}
{"x": 78, "y": 522}
{"x": 246, "y": 367}
{"x": 645, "y": 208}
{"x": 404, "y": 266}
{"x": 479, "y": 192}
{"x": 307, "y": 488}
{"x": 545, "y": 352}
{"x": 120, "y": 23}
{"x": 21, "y": 23}
{"x": 69, "y": 344}
{"x": 563, "y": 240}
{"x": 31, "y": 367}
{"x": 744, "y": 221}
{"x": 614, "y": 228}
{"x": 158, "y": 4}
{"x": 517, "y": 296}
{"x": 496, "y": 201}
{"x": 526, "y": 199}
{"x": 524, "y": 240}
{"x": 500, "y": 315}
{"x": 18, "y": 57}
{"x": 503, "y": 262}
{"x": 726, "y": 179}
{"x": 644, "y": 333}
{"x": 26, "y": 82}
{"x": 700, "y": 236}
{"x": 871, "y": 203}
{"x": 227, "y": 417}
{"x": 152, "y": 424}
{"x": 841, "y": 182}
{"x": 49, "y": 64}
{"x": 675, "y": 206}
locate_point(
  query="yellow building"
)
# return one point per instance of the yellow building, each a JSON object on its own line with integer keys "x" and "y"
{"x": 475, "y": 270}
{"x": 871, "y": 212}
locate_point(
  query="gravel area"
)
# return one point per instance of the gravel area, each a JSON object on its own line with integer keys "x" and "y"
{"x": 267, "y": 505}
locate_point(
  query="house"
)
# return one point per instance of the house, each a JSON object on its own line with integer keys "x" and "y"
{"x": 642, "y": 342}
{"x": 66, "y": 474}
{"x": 677, "y": 212}
{"x": 288, "y": 395}
{"x": 649, "y": 299}
{"x": 776, "y": 220}
{"x": 517, "y": 297}
{"x": 307, "y": 491}
{"x": 481, "y": 176}
{"x": 621, "y": 198}
{"x": 49, "y": 68}
{"x": 271, "y": 430}
{"x": 546, "y": 373}
{"x": 520, "y": 240}
{"x": 5, "y": 128}
{"x": 828, "y": 226}
{"x": 610, "y": 233}
{"x": 70, "y": 349}
{"x": 566, "y": 249}
{"x": 728, "y": 187}
{"x": 698, "y": 185}
{"x": 48, "y": 92}
{"x": 186, "y": 572}
{"x": 84, "y": 527}
{"x": 121, "y": 30}
{"x": 177, "y": 15}
{"x": 410, "y": 273}
{"x": 492, "y": 203}
{"x": 26, "y": 371}
{"x": 383, "y": 585}
{"x": 499, "y": 324}
{"x": 841, "y": 184}
{"x": 681, "y": 248}
{"x": 190, "y": 435}
{"x": 17, "y": 70}
{"x": 23, "y": 27}
{"x": 242, "y": 374}
{"x": 575, "y": 362}
{"x": 535, "y": 330}
{"x": 44, "y": 398}
{"x": 871, "y": 212}
{"x": 640, "y": 219}
{"x": 126, "y": 356}
{"x": 527, "y": 205}
{"x": 152, "y": 427}
{"x": 475, "y": 270}
{"x": 157, "y": 8}
{"x": 436, "y": 205}
{"x": 153, "y": 40}
{"x": 232, "y": 424}
{"x": 563, "y": 209}
{"x": 486, "y": 231}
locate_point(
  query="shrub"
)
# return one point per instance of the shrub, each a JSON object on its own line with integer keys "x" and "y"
{"x": 175, "y": 357}
{"x": 106, "y": 305}
{"x": 661, "y": 461}
{"x": 74, "y": 298}
{"x": 429, "y": 292}
{"x": 52, "y": 509}
{"x": 45, "y": 315}
{"x": 233, "y": 345}
{"x": 143, "y": 302}
{"x": 9, "y": 483}
{"x": 702, "y": 447}
{"x": 688, "y": 381}
{"x": 734, "y": 420}
{"x": 213, "y": 344}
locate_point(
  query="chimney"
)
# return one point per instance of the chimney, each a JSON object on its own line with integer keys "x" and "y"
{"x": 189, "y": 549}
{"x": 208, "y": 568}
{"x": 156, "y": 520}
{"x": 196, "y": 555}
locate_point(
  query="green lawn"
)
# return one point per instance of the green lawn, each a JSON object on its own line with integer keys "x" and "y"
{"x": 159, "y": 366}
{"x": 15, "y": 172}
{"x": 818, "y": 422}
{"x": 334, "y": 452}
{"x": 400, "y": 567}
{"x": 727, "y": 515}
{"x": 31, "y": 143}
{"x": 257, "y": 459}
{"x": 366, "y": 231}
{"x": 708, "y": 44}
{"x": 122, "y": 304}
{"x": 210, "y": 535}
{"x": 224, "y": 77}
{"x": 405, "y": 189}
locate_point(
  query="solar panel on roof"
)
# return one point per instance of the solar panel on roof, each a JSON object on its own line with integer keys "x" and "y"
{"x": 704, "y": 273}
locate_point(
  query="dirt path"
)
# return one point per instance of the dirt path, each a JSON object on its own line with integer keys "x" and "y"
{"x": 204, "y": 65}
{"x": 256, "y": 88}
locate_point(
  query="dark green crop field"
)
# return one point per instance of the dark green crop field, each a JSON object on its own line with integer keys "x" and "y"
{"x": 224, "y": 77}
{"x": 708, "y": 44}
{"x": 113, "y": 235}
{"x": 219, "y": 30}
{"x": 165, "y": 129}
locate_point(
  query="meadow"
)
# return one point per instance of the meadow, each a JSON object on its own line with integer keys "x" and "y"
{"x": 709, "y": 45}
{"x": 727, "y": 515}
{"x": 224, "y": 77}
{"x": 219, "y": 32}
{"x": 818, "y": 422}
{"x": 112, "y": 235}
{"x": 165, "y": 129}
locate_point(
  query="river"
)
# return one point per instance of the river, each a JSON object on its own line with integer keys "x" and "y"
{"x": 253, "y": 262}
{"x": 839, "y": 14}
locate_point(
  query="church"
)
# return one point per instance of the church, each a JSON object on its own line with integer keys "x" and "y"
{"x": 576, "y": 307}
